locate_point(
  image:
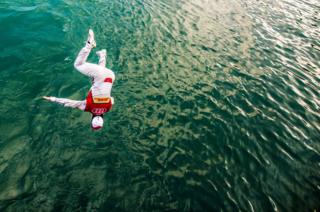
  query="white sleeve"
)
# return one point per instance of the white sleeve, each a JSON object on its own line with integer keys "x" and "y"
{"x": 69, "y": 103}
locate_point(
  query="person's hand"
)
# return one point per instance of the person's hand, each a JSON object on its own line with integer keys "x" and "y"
{"x": 47, "y": 97}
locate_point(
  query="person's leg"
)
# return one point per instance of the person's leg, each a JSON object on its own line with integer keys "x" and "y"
{"x": 80, "y": 63}
{"x": 102, "y": 54}
{"x": 82, "y": 56}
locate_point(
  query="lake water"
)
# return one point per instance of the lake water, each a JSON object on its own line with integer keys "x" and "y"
{"x": 216, "y": 106}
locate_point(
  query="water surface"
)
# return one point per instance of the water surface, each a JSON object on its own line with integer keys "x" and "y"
{"x": 216, "y": 106}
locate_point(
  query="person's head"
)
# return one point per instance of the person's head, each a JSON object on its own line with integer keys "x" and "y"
{"x": 97, "y": 122}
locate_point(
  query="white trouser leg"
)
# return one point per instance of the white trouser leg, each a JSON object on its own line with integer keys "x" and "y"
{"x": 102, "y": 61}
{"x": 82, "y": 56}
{"x": 88, "y": 69}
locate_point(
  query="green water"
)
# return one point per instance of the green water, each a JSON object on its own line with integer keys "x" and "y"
{"x": 216, "y": 106}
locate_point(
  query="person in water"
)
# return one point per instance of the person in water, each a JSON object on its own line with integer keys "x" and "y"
{"x": 99, "y": 100}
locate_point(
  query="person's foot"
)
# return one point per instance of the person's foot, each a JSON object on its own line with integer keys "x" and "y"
{"x": 101, "y": 53}
{"x": 90, "y": 41}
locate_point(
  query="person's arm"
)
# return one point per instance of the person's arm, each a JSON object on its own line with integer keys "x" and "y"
{"x": 67, "y": 102}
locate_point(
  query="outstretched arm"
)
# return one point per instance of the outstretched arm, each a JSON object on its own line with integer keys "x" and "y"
{"x": 67, "y": 102}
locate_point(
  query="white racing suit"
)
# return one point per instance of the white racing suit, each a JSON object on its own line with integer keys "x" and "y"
{"x": 102, "y": 77}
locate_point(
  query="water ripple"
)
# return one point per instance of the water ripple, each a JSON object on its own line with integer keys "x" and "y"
{"x": 217, "y": 106}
